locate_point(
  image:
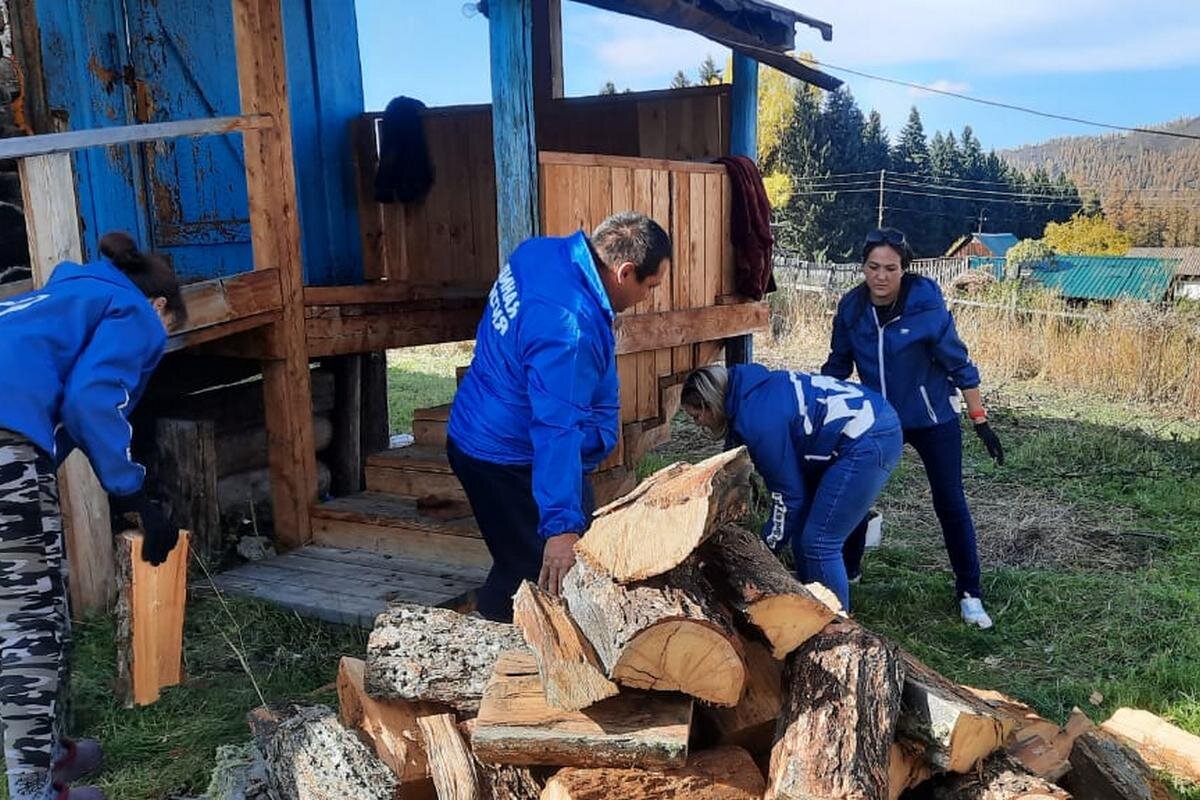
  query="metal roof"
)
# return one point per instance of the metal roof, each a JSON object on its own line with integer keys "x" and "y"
{"x": 997, "y": 243}
{"x": 1189, "y": 258}
{"x": 1106, "y": 277}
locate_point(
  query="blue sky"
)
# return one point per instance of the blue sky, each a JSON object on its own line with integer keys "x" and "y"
{"x": 1112, "y": 60}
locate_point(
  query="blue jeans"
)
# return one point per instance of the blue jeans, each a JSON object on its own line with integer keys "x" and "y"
{"x": 940, "y": 449}
{"x": 838, "y": 498}
{"x": 501, "y": 497}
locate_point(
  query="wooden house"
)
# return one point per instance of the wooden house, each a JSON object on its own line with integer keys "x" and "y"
{"x": 256, "y": 181}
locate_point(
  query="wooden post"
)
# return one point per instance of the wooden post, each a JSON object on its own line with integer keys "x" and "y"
{"x": 743, "y": 141}
{"x": 547, "y": 53}
{"x": 187, "y": 474}
{"x": 275, "y": 234}
{"x": 345, "y": 451}
{"x": 375, "y": 430}
{"x": 52, "y": 222}
{"x": 514, "y": 140}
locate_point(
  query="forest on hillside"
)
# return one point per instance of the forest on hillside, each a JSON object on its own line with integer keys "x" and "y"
{"x": 1148, "y": 185}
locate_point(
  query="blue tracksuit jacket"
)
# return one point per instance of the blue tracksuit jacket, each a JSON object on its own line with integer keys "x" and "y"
{"x": 75, "y": 356}
{"x": 542, "y": 387}
{"x": 795, "y": 424}
{"x": 916, "y": 360}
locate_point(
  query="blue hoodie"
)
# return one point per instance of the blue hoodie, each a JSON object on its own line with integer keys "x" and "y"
{"x": 915, "y": 360}
{"x": 795, "y": 424}
{"x": 542, "y": 387}
{"x": 75, "y": 356}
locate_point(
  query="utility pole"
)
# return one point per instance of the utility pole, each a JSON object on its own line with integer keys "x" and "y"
{"x": 879, "y": 218}
{"x": 982, "y": 219}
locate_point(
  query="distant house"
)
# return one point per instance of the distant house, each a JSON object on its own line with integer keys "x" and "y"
{"x": 1105, "y": 278}
{"x": 1187, "y": 275}
{"x": 989, "y": 245}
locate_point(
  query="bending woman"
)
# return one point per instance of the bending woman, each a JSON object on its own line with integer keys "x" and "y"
{"x": 895, "y": 328}
{"x": 824, "y": 448}
{"x": 76, "y": 355}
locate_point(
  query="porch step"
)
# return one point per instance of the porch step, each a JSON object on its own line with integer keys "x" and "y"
{"x": 429, "y": 426}
{"x": 350, "y": 587}
{"x": 379, "y": 522}
{"x": 414, "y": 471}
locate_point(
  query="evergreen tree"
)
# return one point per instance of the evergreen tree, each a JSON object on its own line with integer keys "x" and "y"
{"x": 608, "y": 88}
{"x": 911, "y": 153}
{"x": 680, "y": 81}
{"x": 847, "y": 215}
{"x": 802, "y": 156}
{"x": 709, "y": 74}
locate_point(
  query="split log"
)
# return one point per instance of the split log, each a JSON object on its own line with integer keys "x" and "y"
{"x": 724, "y": 773}
{"x": 961, "y": 729}
{"x": 435, "y": 655}
{"x": 654, "y": 528}
{"x": 569, "y": 668}
{"x": 150, "y": 612}
{"x": 997, "y": 778}
{"x": 752, "y": 580}
{"x": 1161, "y": 744}
{"x": 664, "y": 633}
{"x": 1037, "y": 744}
{"x": 841, "y": 699}
{"x": 1103, "y": 768}
{"x": 506, "y": 782}
{"x": 908, "y": 766}
{"x": 388, "y": 726}
{"x": 312, "y": 757}
{"x": 516, "y": 725}
{"x": 751, "y": 723}
{"x": 450, "y": 761}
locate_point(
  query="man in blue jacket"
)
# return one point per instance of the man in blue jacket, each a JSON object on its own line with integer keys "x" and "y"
{"x": 539, "y": 407}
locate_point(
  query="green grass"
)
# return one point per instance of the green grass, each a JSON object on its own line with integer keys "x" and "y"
{"x": 422, "y": 377}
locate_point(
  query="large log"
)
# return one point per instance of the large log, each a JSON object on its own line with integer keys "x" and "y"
{"x": 960, "y": 728}
{"x": 1103, "y": 768}
{"x": 756, "y": 584}
{"x": 516, "y": 725}
{"x": 751, "y": 723}
{"x": 236, "y": 493}
{"x": 1161, "y": 744}
{"x": 506, "y": 782}
{"x": 907, "y": 766}
{"x": 388, "y": 726}
{"x": 149, "y": 620}
{"x": 312, "y": 757}
{"x": 841, "y": 699}
{"x": 997, "y": 778}
{"x": 660, "y": 523}
{"x": 567, "y": 663}
{"x": 241, "y": 451}
{"x": 724, "y": 773}
{"x": 664, "y": 633}
{"x": 450, "y": 761}
{"x": 435, "y": 655}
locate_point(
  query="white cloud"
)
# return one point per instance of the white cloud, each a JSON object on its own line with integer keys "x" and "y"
{"x": 941, "y": 85}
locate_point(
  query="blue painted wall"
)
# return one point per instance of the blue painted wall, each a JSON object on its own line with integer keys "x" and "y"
{"x": 187, "y": 198}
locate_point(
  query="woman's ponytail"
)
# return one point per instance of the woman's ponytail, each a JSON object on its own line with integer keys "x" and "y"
{"x": 150, "y": 272}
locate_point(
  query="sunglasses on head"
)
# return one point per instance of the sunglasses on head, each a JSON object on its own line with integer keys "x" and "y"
{"x": 887, "y": 235}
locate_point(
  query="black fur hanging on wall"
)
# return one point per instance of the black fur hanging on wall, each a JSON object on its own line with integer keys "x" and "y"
{"x": 405, "y": 172}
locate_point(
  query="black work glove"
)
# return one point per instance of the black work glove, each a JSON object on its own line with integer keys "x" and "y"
{"x": 991, "y": 442}
{"x": 159, "y": 536}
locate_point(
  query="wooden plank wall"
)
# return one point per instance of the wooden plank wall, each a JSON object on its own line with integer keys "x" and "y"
{"x": 691, "y": 201}
{"x": 445, "y": 247}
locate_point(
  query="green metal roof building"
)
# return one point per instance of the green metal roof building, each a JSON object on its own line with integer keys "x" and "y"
{"x": 1101, "y": 278}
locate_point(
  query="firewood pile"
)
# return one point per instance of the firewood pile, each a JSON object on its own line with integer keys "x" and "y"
{"x": 682, "y": 660}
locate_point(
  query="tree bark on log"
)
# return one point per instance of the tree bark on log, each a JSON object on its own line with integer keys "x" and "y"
{"x": 516, "y": 726}
{"x": 751, "y": 580}
{"x": 506, "y": 782}
{"x": 312, "y": 757}
{"x": 681, "y": 504}
{"x": 1161, "y": 744}
{"x": 450, "y": 761}
{"x": 841, "y": 700}
{"x": 567, "y": 663}
{"x": 907, "y": 766}
{"x": 1103, "y": 768}
{"x": 664, "y": 633}
{"x": 435, "y": 655}
{"x": 960, "y": 728}
{"x": 997, "y": 778}
{"x": 724, "y": 773}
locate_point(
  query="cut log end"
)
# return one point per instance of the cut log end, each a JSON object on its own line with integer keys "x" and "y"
{"x": 684, "y": 655}
{"x": 788, "y": 621}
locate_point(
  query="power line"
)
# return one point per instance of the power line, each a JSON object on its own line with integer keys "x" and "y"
{"x": 909, "y": 181}
{"x": 946, "y": 178}
{"x": 998, "y": 104}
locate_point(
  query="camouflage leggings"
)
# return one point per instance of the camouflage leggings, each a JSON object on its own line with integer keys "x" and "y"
{"x": 34, "y": 622}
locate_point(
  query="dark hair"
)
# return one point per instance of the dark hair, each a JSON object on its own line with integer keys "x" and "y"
{"x": 633, "y": 237}
{"x": 890, "y": 237}
{"x": 149, "y": 272}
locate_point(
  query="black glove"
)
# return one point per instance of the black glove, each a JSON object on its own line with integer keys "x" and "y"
{"x": 991, "y": 442}
{"x": 159, "y": 536}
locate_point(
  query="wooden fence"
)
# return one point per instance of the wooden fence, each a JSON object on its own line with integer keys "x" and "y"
{"x": 792, "y": 272}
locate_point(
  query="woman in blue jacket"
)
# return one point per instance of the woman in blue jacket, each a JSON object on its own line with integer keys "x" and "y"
{"x": 894, "y": 327}
{"x": 75, "y": 356}
{"x": 824, "y": 448}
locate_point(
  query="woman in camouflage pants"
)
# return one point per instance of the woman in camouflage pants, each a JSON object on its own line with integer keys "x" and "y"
{"x": 75, "y": 355}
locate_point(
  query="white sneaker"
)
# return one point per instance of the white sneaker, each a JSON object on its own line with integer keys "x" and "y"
{"x": 973, "y": 613}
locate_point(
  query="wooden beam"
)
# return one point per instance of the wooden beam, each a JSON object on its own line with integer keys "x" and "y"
{"x": 514, "y": 139}
{"x": 52, "y": 224}
{"x": 13, "y": 288}
{"x": 645, "y": 332}
{"x": 346, "y": 455}
{"x": 213, "y": 305}
{"x": 275, "y": 236}
{"x": 337, "y": 330}
{"x": 547, "y": 52}
{"x": 631, "y": 162}
{"x": 50, "y": 143}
